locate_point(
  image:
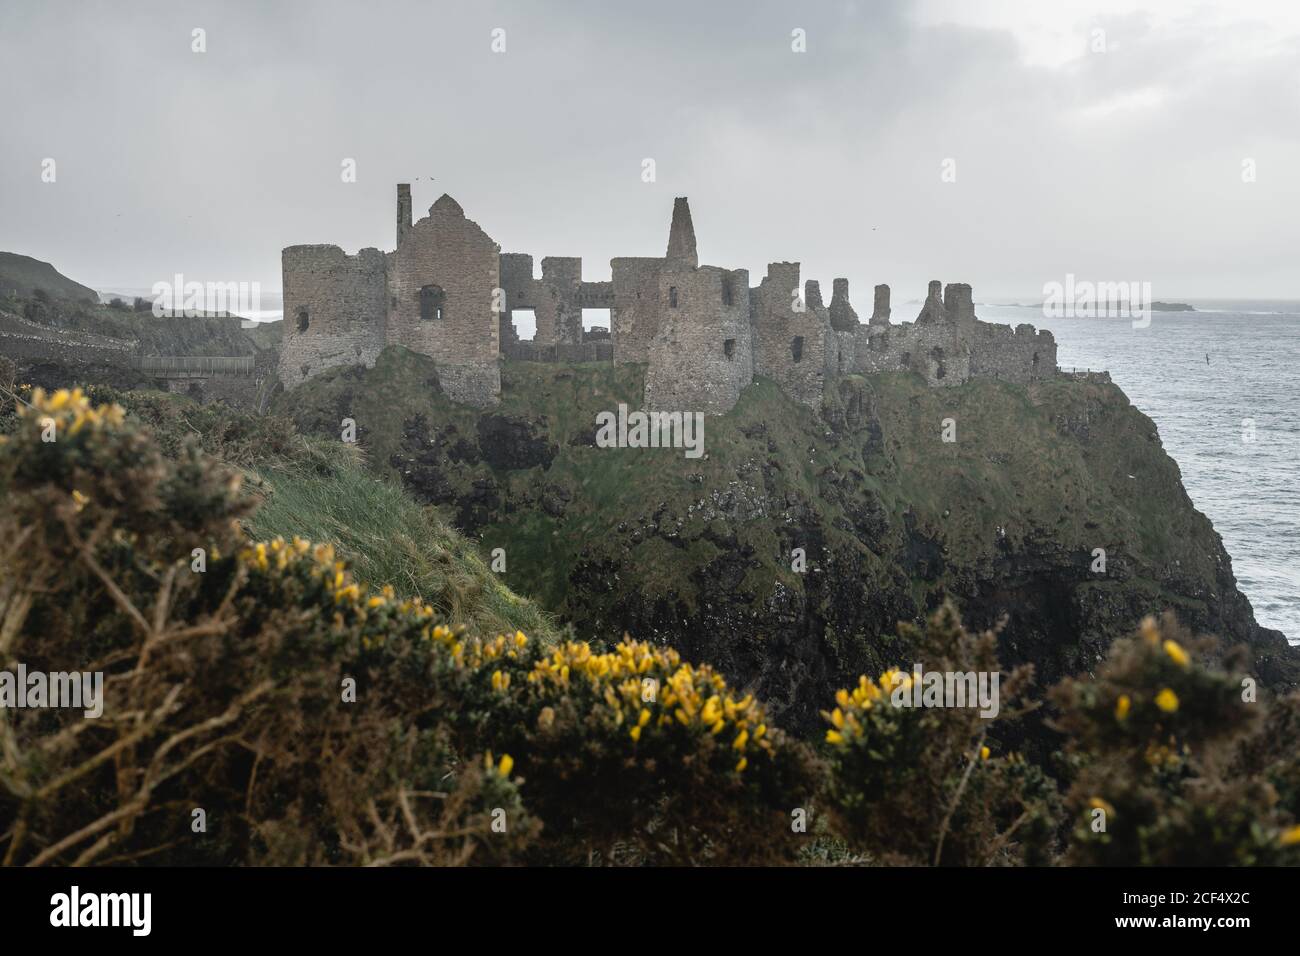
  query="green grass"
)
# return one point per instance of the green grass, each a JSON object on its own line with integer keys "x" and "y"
{"x": 389, "y": 539}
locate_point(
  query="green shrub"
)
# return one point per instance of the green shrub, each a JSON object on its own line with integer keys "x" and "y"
{"x": 924, "y": 785}
{"x": 1175, "y": 764}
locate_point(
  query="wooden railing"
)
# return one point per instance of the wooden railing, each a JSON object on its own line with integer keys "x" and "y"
{"x": 193, "y": 366}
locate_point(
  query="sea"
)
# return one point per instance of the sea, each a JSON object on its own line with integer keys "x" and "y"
{"x": 1223, "y": 387}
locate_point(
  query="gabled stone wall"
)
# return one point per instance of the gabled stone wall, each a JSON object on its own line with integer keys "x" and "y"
{"x": 440, "y": 301}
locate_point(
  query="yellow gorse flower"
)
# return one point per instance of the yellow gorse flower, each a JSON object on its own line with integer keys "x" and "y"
{"x": 1097, "y": 803}
{"x": 1177, "y": 654}
{"x": 689, "y": 699}
{"x": 1149, "y": 630}
{"x": 1122, "y": 707}
{"x": 71, "y": 411}
{"x": 847, "y": 718}
{"x": 1167, "y": 701}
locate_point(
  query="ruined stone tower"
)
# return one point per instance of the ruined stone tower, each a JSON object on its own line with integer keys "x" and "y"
{"x": 333, "y": 310}
{"x": 701, "y": 353}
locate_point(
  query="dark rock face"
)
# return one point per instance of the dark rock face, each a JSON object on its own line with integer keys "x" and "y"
{"x": 509, "y": 444}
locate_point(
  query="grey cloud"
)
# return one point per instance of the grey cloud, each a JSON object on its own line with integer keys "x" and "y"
{"x": 209, "y": 164}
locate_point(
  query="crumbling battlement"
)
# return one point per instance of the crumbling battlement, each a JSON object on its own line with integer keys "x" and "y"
{"x": 792, "y": 333}
{"x": 947, "y": 344}
{"x": 448, "y": 291}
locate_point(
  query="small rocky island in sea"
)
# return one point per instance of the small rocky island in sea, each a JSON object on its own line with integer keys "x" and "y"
{"x": 1155, "y": 306}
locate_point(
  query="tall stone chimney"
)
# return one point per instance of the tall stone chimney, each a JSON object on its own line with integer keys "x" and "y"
{"x": 880, "y": 312}
{"x": 403, "y": 211}
{"x": 681, "y": 236}
{"x": 812, "y": 294}
{"x": 957, "y": 303}
{"x": 843, "y": 316}
{"x": 933, "y": 311}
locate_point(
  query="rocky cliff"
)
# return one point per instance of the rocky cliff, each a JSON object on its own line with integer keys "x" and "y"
{"x": 788, "y": 553}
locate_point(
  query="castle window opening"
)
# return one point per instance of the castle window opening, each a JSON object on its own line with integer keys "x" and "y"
{"x": 303, "y": 321}
{"x": 431, "y": 303}
{"x": 672, "y": 297}
{"x": 726, "y": 290}
{"x": 796, "y": 348}
{"x": 595, "y": 319}
{"x": 729, "y": 349}
{"x": 525, "y": 324}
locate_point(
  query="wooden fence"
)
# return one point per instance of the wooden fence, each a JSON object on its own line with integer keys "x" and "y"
{"x": 193, "y": 366}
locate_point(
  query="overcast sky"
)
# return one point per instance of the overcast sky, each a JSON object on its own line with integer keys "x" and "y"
{"x": 1118, "y": 165}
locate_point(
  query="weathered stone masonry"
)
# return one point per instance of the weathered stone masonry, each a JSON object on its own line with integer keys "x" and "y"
{"x": 449, "y": 292}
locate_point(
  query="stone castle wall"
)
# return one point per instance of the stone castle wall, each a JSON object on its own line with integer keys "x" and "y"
{"x": 791, "y": 335}
{"x": 635, "y": 315}
{"x": 563, "y": 352}
{"x": 333, "y": 310}
{"x": 703, "y": 354}
{"x": 1022, "y": 355}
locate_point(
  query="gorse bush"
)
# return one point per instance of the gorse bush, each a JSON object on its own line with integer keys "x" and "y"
{"x": 634, "y": 751}
{"x": 263, "y": 706}
{"x": 1175, "y": 761}
{"x": 923, "y": 785}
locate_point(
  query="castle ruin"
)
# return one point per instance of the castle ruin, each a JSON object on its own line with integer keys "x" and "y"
{"x": 447, "y": 291}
